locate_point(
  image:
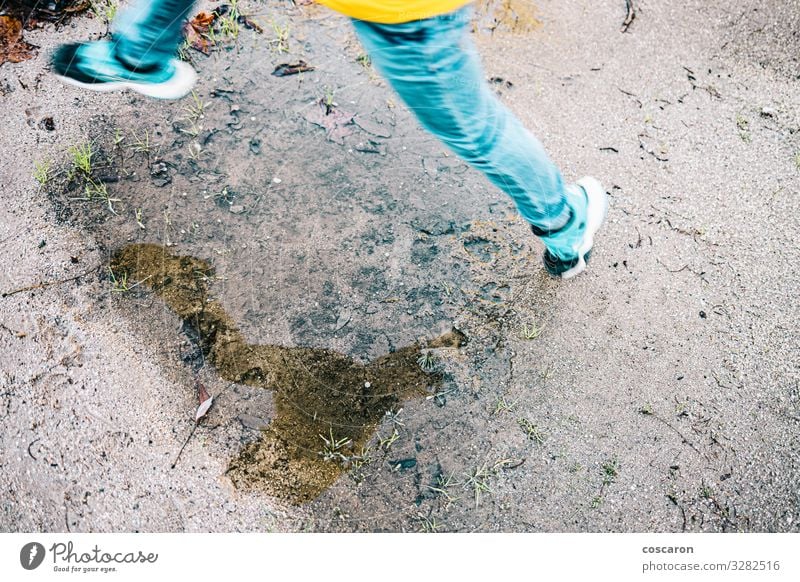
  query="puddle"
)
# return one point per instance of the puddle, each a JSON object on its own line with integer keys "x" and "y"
{"x": 350, "y": 255}
{"x": 514, "y": 16}
{"x": 327, "y": 405}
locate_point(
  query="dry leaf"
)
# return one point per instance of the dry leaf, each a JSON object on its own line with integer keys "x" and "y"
{"x": 285, "y": 69}
{"x": 196, "y": 29}
{"x": 204, "y": 20}
{"x": 12, "y": 48}
{"x": 205, "y": 399}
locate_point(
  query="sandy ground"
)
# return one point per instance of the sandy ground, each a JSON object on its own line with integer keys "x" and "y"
{"x": 657, "y": 392}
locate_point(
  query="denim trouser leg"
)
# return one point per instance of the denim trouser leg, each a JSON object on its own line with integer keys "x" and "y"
{"x": 149, "y": 31}
{"x": 434, "y": 67}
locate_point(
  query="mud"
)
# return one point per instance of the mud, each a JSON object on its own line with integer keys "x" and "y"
{"x": 328, "y": 405}
{"x": 514, "y": 16}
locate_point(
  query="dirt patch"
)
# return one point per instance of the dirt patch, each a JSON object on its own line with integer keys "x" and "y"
{"x": 328, "y": 405}
{"x": 767, "y": 34}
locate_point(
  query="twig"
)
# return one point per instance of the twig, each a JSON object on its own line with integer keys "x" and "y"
{"x": 33, "y": 442}
{"x": 629, "y": 16}
{"x": 673, "y": 270}
{"x": 194, "y": 428}
{"x": 203, "y": 396}
{"x": 629, "y": 94}
{"x": 45, "y": 284}
{"x": 675, "y": 430}
{"x": 15, "y": 333}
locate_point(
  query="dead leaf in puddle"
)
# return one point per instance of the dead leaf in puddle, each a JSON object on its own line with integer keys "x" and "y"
{"x": 253, "y": 422}
{"x": 344, "y": 318}
{"x": 12, "y": 48}
{"x": 337, "y": 123}
{"x": 205, "y": 399}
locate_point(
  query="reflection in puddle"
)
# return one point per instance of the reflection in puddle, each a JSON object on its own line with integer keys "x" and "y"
{"x": 328, "y": 405}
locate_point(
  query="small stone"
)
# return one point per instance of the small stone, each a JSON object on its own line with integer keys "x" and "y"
{"x": 253, "y": 422}
{"x": 769, "y": 112}
{"x": 158, "y": 168}
{"x": 404, "y": 464}
{"x": 48, "y": 124}
{"x": 237, "y": 209}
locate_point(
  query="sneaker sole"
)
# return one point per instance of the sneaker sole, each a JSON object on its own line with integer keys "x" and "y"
{"x": 596, "y": 212}
{"x": 180, "y": 85}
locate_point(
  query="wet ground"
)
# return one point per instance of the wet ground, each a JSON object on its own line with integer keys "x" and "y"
{"x": 297, "y": 242}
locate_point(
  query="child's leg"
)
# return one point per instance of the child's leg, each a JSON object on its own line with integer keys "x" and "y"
{"x": 148, "y": 33}
{"x": 434, "y": 67}
{"x": 139, "y": 56}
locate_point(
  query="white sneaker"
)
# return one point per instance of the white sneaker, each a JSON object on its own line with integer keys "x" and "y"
{"x": 596, "y": 211}
{"x": 93, "y": 66}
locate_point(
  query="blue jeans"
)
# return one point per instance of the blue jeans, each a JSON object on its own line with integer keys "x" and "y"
{"x": 147, "y": 33}
{"x": 434, "y": 67}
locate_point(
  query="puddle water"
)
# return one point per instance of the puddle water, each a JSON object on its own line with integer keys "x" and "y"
{"x": 515, "y": 16}
{"x": 328, "y": 406}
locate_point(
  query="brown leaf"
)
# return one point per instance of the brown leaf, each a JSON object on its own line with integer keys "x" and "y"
{"x": 12, "y": 48}
{"x": 205, "y": 399}
{"x": 195, "y": 31}
{"x": 203, "y": 21}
